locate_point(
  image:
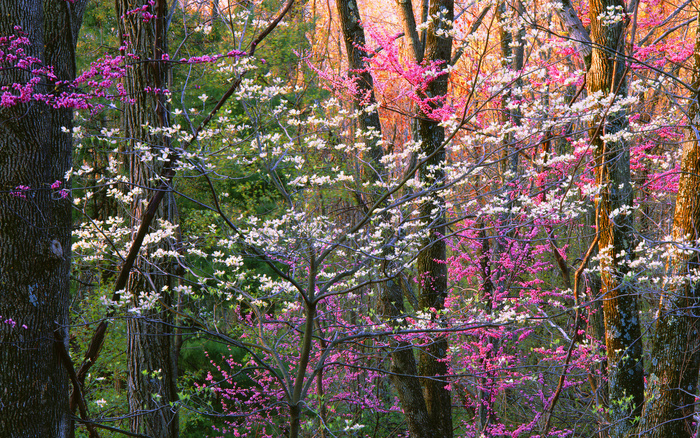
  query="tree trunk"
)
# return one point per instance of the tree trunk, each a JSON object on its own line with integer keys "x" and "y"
{"x": 429, "y": 413}
{"x": 408, "y": 22}
{"x": 354, "y": 36}
{"x": 614, "y": 223}
{"x": 432, "y": 271}
{"x": 35, "y": 228}
{"x": 403, "y": 367}
{"x": 151, "y": 365}
{"x": 403, "y": 362}
{"x": 673, "y": 381}
{"x": 485, "y": 412}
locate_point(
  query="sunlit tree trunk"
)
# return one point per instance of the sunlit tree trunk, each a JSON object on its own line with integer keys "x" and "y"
{"x": 152, "y": 367}
{"x": 35, "y": 228}
{"x": 675, "y": 355}
{"x": 354, "y": 36}
{"x": 614, "y": 222}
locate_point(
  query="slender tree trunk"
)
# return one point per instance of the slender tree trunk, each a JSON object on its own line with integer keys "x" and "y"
{"x": 484, "y": 410}
{"x": 403, "y": 362}
{"x": 354, "y": 36}
{"x": 673, "y": 381}
{"x": 151, "y": 366}
{"x": 614, "y": 223}
{"x": 215, "y": 11}
{"x": 296, "y": 397}
{"x": 429, "y": 413}
{"x": 408, "y": 22}
{"x": 511, "y": 60}
{"x": 35, "y": 228}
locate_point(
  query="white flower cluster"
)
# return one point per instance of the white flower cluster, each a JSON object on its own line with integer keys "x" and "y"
{"x": 612, "y": 15}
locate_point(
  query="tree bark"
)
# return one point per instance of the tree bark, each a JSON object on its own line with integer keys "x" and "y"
{"x": 354, "y": 36}
{"x": 484, "y": 411}
{"x": 35, "y": 228}
{"x": 403, "y": 367}
{"x": 408, "y": 22}
{"x": 432, "y": 271}
{"x": 152, "y": 367}
{"x": 614, "y": 223}
{"x": 673, "y": 381}
{"x": 577, "y": 32}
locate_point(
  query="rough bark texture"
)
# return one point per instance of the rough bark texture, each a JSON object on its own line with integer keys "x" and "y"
{"x": 673, "y": 381}
{"x": 151, "y": 365}
{"x": 35, "y": 230}
{"x": 614, "y": 224}
{"x": 432, "y": 272}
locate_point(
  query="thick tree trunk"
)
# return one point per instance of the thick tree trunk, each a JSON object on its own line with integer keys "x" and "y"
{"x": 614, "y": 223}
{"x": 432, "y": 271}
{"x": 673, "y": 381}
{"x": 151, "y": 365}
{"x": 403, "y": 367}
{"x": 35, "y": 229}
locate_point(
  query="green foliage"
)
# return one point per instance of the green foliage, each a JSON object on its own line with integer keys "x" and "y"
{"x": 98, "y": 34}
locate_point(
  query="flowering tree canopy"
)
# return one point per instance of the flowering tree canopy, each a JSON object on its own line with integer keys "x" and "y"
{"x": 445, "y": 219}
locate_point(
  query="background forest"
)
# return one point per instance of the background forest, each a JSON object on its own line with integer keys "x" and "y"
{"x": 349, "y": 219}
